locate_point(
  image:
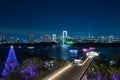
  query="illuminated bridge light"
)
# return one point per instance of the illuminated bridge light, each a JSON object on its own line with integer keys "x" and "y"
{"x": 73, "y": 51}
{"x": 92, "y": 53}
{"x": 69, "y": 42}
{"x": 58, "y": 72}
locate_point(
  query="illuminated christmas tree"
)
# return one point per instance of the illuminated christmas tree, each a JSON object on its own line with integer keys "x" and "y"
{"x": 11, "y": 63}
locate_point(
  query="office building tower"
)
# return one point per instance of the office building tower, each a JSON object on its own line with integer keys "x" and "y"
{"x": 31, "y": 39}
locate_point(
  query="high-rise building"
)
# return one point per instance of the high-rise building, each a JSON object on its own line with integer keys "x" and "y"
{"x": 2, "y": 37}
{"x": 12, "y": 40}
{"x": 18, "y": 40}
{"x": 41, "y": 39}
{"x": 47, "y": 38}
{"x": 54, "y": 37}
{"x": 31, "y": 39}
{"x": 110, "y": 38}
{"x": 89, "y": 36}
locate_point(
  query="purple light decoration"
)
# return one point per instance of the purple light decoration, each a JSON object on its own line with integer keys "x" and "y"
{"x": 83, "y": 77}
{"x": 11, "y": 63}
{"x": 30, "y": 70}
{"x": 91, "y": 48}
{"x": 115, "y": 76}
{"x": 99, "y": 76}
{"x": 84, "y": 50}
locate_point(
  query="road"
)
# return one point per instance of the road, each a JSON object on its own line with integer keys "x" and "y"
{"x": 75, "y": 72}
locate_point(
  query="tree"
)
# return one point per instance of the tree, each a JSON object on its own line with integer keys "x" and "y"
{"x": 30, "y": 68}
{"x": 14, "y": 76}
{"x": 11, "y": 63}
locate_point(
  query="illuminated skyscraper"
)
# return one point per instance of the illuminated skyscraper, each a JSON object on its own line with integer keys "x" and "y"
{"x": 47, "y": 38}
{"x": 12, "y": 40}
{"x": 64, "y": 36}
{"x": 89, "y": 36}
{"x": 54, "y": 37}
{"x": 31, "y": 39}
{"x": 2, "y": 37}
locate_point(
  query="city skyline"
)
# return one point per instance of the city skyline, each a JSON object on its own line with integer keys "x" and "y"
{"x": 63, "y": 34}
{"x": 64, "y": 38}
{"x": 79, "y": 18}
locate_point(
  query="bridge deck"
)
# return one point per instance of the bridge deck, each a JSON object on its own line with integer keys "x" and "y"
{"x": 74, "y": 72}
{"x": 70, "y": 74}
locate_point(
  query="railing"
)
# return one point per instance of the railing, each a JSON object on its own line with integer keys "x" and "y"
{"x": 83, "y": 76}
{"x": 84, "y": 69}
{"x": 52, "y": 75}
{"x": 57, "y": 72}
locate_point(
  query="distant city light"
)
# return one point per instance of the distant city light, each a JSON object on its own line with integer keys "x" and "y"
{"x": 64, "y": 39}
{"x": 59, "y": 72}
{"x": 69, "y": 42}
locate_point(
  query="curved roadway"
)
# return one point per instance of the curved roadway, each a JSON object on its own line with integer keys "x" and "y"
{"x": 75, "y": 72}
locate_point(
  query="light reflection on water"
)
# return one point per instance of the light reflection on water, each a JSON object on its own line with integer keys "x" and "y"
{"x": 59, "y": 51}
{"x": 62, "y": 52}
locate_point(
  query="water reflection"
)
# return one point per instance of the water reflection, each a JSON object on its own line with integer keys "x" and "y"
{"x": 65, "y": 52}
{"x": 58, "y": 51}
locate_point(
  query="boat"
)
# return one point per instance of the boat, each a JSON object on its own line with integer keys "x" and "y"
{"x": 73, "y": 51}
{"x": 30, "y": 47}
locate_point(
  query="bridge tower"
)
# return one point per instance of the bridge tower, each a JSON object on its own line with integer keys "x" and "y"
{"x": 64, "y": 36}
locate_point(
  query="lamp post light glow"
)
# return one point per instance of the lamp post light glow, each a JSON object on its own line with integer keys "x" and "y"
{"x": 92, "y": 53}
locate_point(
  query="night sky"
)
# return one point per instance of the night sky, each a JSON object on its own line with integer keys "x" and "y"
{"x": 78, "y": 17}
